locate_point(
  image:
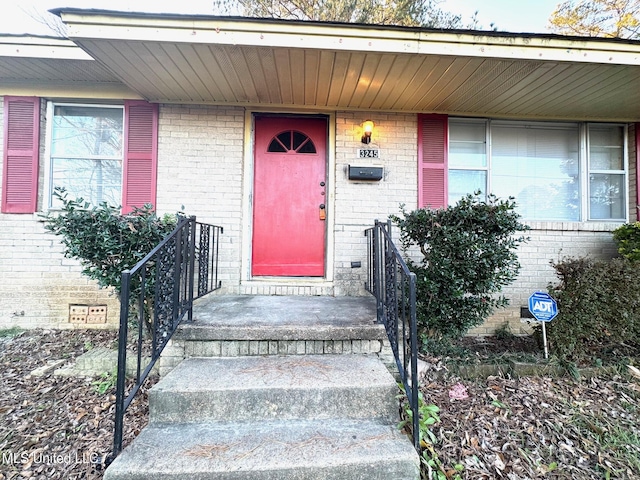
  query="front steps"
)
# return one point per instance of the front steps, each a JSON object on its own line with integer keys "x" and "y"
{"x": 331, "y": 417}
{"x": 247, "y": 325}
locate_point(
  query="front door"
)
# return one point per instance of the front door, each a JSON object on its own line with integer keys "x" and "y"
{"x": 289, "y": 196}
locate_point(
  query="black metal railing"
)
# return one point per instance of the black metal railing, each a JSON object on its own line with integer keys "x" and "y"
{"x": 394, "y": 287}
{"x": 156, "y": 295}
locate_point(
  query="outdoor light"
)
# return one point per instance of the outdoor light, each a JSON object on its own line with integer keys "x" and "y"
{"x": 367, "y": 128}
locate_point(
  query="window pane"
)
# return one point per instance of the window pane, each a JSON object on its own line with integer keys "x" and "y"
{"x": 606, "y": 197}
{"x": 539, "y": 166}
{"x": 606, "y": 150}
{"x": 95, "y": 181}
{"x": 87, "y": 132}
{"x": 467, "y": 144}
{"x": 464, "y": 182}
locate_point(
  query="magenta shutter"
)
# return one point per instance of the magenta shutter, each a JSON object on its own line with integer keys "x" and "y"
{"x": 432, "y": 161}
{"x": 637, "y": 125}
{"x": 141, "y": 154}
{"x": 20, "y": 154}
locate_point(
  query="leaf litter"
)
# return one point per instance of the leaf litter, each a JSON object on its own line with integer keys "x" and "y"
{"x": 537, "y": 427}
{"x": 498, "y": 428}
{"x": 55, "y": 427}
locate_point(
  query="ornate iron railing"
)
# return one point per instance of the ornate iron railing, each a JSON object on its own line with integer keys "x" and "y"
{"x": 156, "y": 295}
{"x": 394, "y": 287}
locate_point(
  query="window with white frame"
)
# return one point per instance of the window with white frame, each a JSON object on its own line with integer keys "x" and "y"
{"x": 555, "y": 171}
{"x": 86, "y": 152}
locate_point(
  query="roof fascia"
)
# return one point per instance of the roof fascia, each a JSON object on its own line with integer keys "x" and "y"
{"x": 41, "y": 47}
{"x": 341, "y": 37}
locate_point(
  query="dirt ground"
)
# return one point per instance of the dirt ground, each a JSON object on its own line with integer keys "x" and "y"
{"x": 496, "y": 428}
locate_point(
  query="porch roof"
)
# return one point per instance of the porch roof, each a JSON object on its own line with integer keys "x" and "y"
{"x": 331, "y": 66}
{"x": 52, "y": 66}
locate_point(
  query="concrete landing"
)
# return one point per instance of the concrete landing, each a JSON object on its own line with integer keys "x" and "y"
{"x": 261, "y": 317}
{"x": 249, "y": 325}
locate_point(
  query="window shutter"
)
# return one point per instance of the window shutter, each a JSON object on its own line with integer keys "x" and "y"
{"x": 141, "y": 154}
{"x": 20, "y": 154}
{"x": 432, "y": 161}
{"x": 637, "y": 128}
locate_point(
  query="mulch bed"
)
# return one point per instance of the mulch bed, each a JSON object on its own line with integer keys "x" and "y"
{"x": 57, "y": 427}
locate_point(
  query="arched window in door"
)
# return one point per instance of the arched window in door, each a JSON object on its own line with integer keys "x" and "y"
{"x": 291, "y": 141}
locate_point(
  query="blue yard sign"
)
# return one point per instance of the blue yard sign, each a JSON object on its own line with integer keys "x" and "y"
{"x": 543, "y": 306}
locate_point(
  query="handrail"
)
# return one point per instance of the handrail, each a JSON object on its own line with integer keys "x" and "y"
{"x": 156, "y": 295}
{"x": 393, "y": 285}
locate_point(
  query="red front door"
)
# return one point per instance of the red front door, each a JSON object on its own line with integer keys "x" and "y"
{"x": 289, "y": 196}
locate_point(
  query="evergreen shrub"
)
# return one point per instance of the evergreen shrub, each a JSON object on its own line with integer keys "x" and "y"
{"x": 467, "y": 254}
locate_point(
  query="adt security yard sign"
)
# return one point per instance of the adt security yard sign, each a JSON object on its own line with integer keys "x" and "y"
{"x": 544, "y": 308}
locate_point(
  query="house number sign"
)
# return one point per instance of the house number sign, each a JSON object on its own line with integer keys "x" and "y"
{"x": 368, "y": 153}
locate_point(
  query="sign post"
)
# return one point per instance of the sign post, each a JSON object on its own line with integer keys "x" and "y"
{"x": 544, "y": 308}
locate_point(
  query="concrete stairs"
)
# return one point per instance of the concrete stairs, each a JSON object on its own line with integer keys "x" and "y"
{"x": 330, "y": 417}
{"x": 248, "y": 325}
{"x": 273, "y": 388}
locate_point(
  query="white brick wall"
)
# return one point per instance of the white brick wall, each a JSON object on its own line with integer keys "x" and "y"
{"x": 201, "y": 158}
{"x": 37, "y": 283}
{"x": 359, "y": 204}
{"x": 200, "y": 161}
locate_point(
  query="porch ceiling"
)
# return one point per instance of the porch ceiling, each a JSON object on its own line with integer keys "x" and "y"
{"x": 213, "y": 60}
{"x": 53, "y": 66}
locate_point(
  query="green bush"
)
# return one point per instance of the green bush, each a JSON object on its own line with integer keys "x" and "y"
{"x": 104, "y": 241}
{"x": 598, "y": 305}
{"x": 627, "y": 238}
{"x": 468, "y": 255}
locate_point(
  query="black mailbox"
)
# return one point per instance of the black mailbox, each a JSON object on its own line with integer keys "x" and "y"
{"x": 365, "y": 173}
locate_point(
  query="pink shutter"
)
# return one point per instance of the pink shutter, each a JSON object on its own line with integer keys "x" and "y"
{"x": 20, "y": 154}
{"x": 432, "y": 161}
{"x": 141, "y": 154}
{"x": 637, "y": 126}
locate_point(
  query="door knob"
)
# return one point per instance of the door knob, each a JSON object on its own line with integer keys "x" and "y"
{"x": 322, "y": 207}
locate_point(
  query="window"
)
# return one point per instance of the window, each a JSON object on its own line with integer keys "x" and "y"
{"x": 291, "y": 141}
{"x": 86, "y": 153}
{"x": 555, "y": 171}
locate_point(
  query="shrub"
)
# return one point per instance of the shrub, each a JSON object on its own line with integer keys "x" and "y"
{"x": 104, "y": 241}
{"x": 598, "y": 307}
{"x": 468, "y": 255}
{"x": 627, "y": 238}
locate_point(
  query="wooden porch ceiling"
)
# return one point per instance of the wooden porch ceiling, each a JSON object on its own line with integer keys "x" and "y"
{"x": 215, "y": 60}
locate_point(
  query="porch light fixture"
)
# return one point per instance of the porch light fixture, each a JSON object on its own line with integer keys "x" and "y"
{"x": 367, "y": 129}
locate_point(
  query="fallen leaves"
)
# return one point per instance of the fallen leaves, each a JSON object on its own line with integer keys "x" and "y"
{"x": 539, "y": 427}
{"x": 56, "y": 427}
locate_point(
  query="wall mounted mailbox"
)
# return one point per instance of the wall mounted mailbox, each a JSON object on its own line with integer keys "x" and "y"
{"x": 365, "y": 173}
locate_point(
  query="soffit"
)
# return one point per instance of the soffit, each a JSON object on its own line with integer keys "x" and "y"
{"x": 338, "y": 67}
{"x": 52, "y": 64}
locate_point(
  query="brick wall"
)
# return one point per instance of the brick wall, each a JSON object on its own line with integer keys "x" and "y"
{"x": 200, "y": 162}
{"x": 360, "y": 203}
{"x": 200, "y": 170}
{"x": 549, "y": 241}
{"x": 37, "y": 283}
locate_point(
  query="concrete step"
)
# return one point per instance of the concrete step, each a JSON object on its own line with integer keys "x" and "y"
{"x": 336, "y": 449}
{"x": 245, "y": 325}
{"x": 270, "y": 387}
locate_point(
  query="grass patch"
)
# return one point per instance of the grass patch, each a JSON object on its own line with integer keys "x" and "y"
{"x": 10, "y": 332}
